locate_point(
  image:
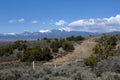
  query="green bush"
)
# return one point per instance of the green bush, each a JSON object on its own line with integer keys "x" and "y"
{"x": 67, "y": 46}
{"x": 55, "y": 49}
{"x": 47, "y": 55}
{"x": 6, "y": 50}
{"x": 102, "y": 50}
{"x": 48, "y": 40}
{"x": 20, "y": 45}
{"x": 36, "y": 54}
{"x": 55, "y": 45}
{"x": 91, "y": 61}
{"x": 75, "y": 38}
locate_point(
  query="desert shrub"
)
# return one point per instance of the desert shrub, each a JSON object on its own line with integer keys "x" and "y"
{"x": 68, "y": 46}
{"x": 102, "y": 50}
{"x": 55, "y": 45}
{"x": 105, "y": 47}
{"x": 7, "y": 75}
{"x": 88, "y": 75}
{"x": 47, "y": 55}
{"x": 118, "y": 50}
{"x": 9, "y": 48}
{"x": 75, "y": 38}
{"x": 20, "y": 45}
{"x": 61, "y": 40}
{"x": 48, "y": 40}
{"x": 36, "y": 54}
{"x": 59, "y": 78}
{"x": 27, "y": 77}
{"x": 111, "y": 64}
{"x": 45, "y": 38}
{"x": 110, "y": 76}
{"x": 58, "y": 43}
{"x": 1, "y": 52}
{"x": 79, "y": 38}
{"x": 47, "y": 69}
{"x": 71, "y": 38}
{"x": 77, "y": 76}
{"x": 112, "y": 41}
{"x": 61, "y": 72}
{"x": 55, "y": 49}
{"x": 84, "y": 75}
{"x": 46, "y": 77}
{"x": 91, "y": 61}
{"x": 12, "y": 73}
{"x": 6, "y": 50}
{"x": 21, "y": 71}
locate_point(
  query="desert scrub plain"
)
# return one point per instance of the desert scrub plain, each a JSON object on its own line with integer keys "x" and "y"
{"x": 102, "y": 62}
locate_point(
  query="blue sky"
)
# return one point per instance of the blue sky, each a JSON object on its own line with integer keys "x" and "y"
{"x": 17, "y": 16}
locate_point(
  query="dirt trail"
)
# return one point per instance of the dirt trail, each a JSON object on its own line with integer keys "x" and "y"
{"x": 8, "y": 62}
{"x": 81, "y": 51}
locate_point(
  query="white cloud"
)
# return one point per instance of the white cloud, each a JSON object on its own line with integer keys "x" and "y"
{"x": 83, "y": 22}
{"x": 65, "y": 29}
{"x": 97, "y": 25}
{"x": 60, "y": 23}
{"x": 34, "y": 21}
{"x": 16, "y": 20}
{"x": 114, "y": 20}
{"x": 9, "y": 34}
{"x": 21, "y": 20}
{"x": 44, "y": 31}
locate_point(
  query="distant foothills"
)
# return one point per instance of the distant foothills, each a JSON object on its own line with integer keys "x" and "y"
{"x": 49, "y": 34}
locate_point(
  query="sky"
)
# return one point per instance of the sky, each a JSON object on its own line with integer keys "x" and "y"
{"x": 17, "y": 16}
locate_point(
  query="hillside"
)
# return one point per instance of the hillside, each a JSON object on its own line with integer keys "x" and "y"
{"x": 71, "y": 66}
{"x": 81, "y": 52}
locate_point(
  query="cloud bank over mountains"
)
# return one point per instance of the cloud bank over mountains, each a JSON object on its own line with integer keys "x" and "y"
{"x": 97, "y": 25}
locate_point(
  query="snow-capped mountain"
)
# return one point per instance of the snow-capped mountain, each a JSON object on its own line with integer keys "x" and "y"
{"x": 46, "y": 33}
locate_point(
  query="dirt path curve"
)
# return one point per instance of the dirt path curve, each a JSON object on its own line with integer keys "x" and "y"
{"x": 81, "y": 51}
{"x": 8, "y": 62}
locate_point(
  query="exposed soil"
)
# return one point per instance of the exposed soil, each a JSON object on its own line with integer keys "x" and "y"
{"x": 8, "y": 62}
{"x": 80, "y": 52}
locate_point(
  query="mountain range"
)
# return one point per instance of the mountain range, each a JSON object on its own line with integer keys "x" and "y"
{"x": 49, "y": 34}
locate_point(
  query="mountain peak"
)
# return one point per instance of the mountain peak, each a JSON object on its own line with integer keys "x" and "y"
{"x": 47, "y": 33}
{"x": 44, "y": 31}
{"x": 9, "y": 34}
{"x": 65, "y": 29}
